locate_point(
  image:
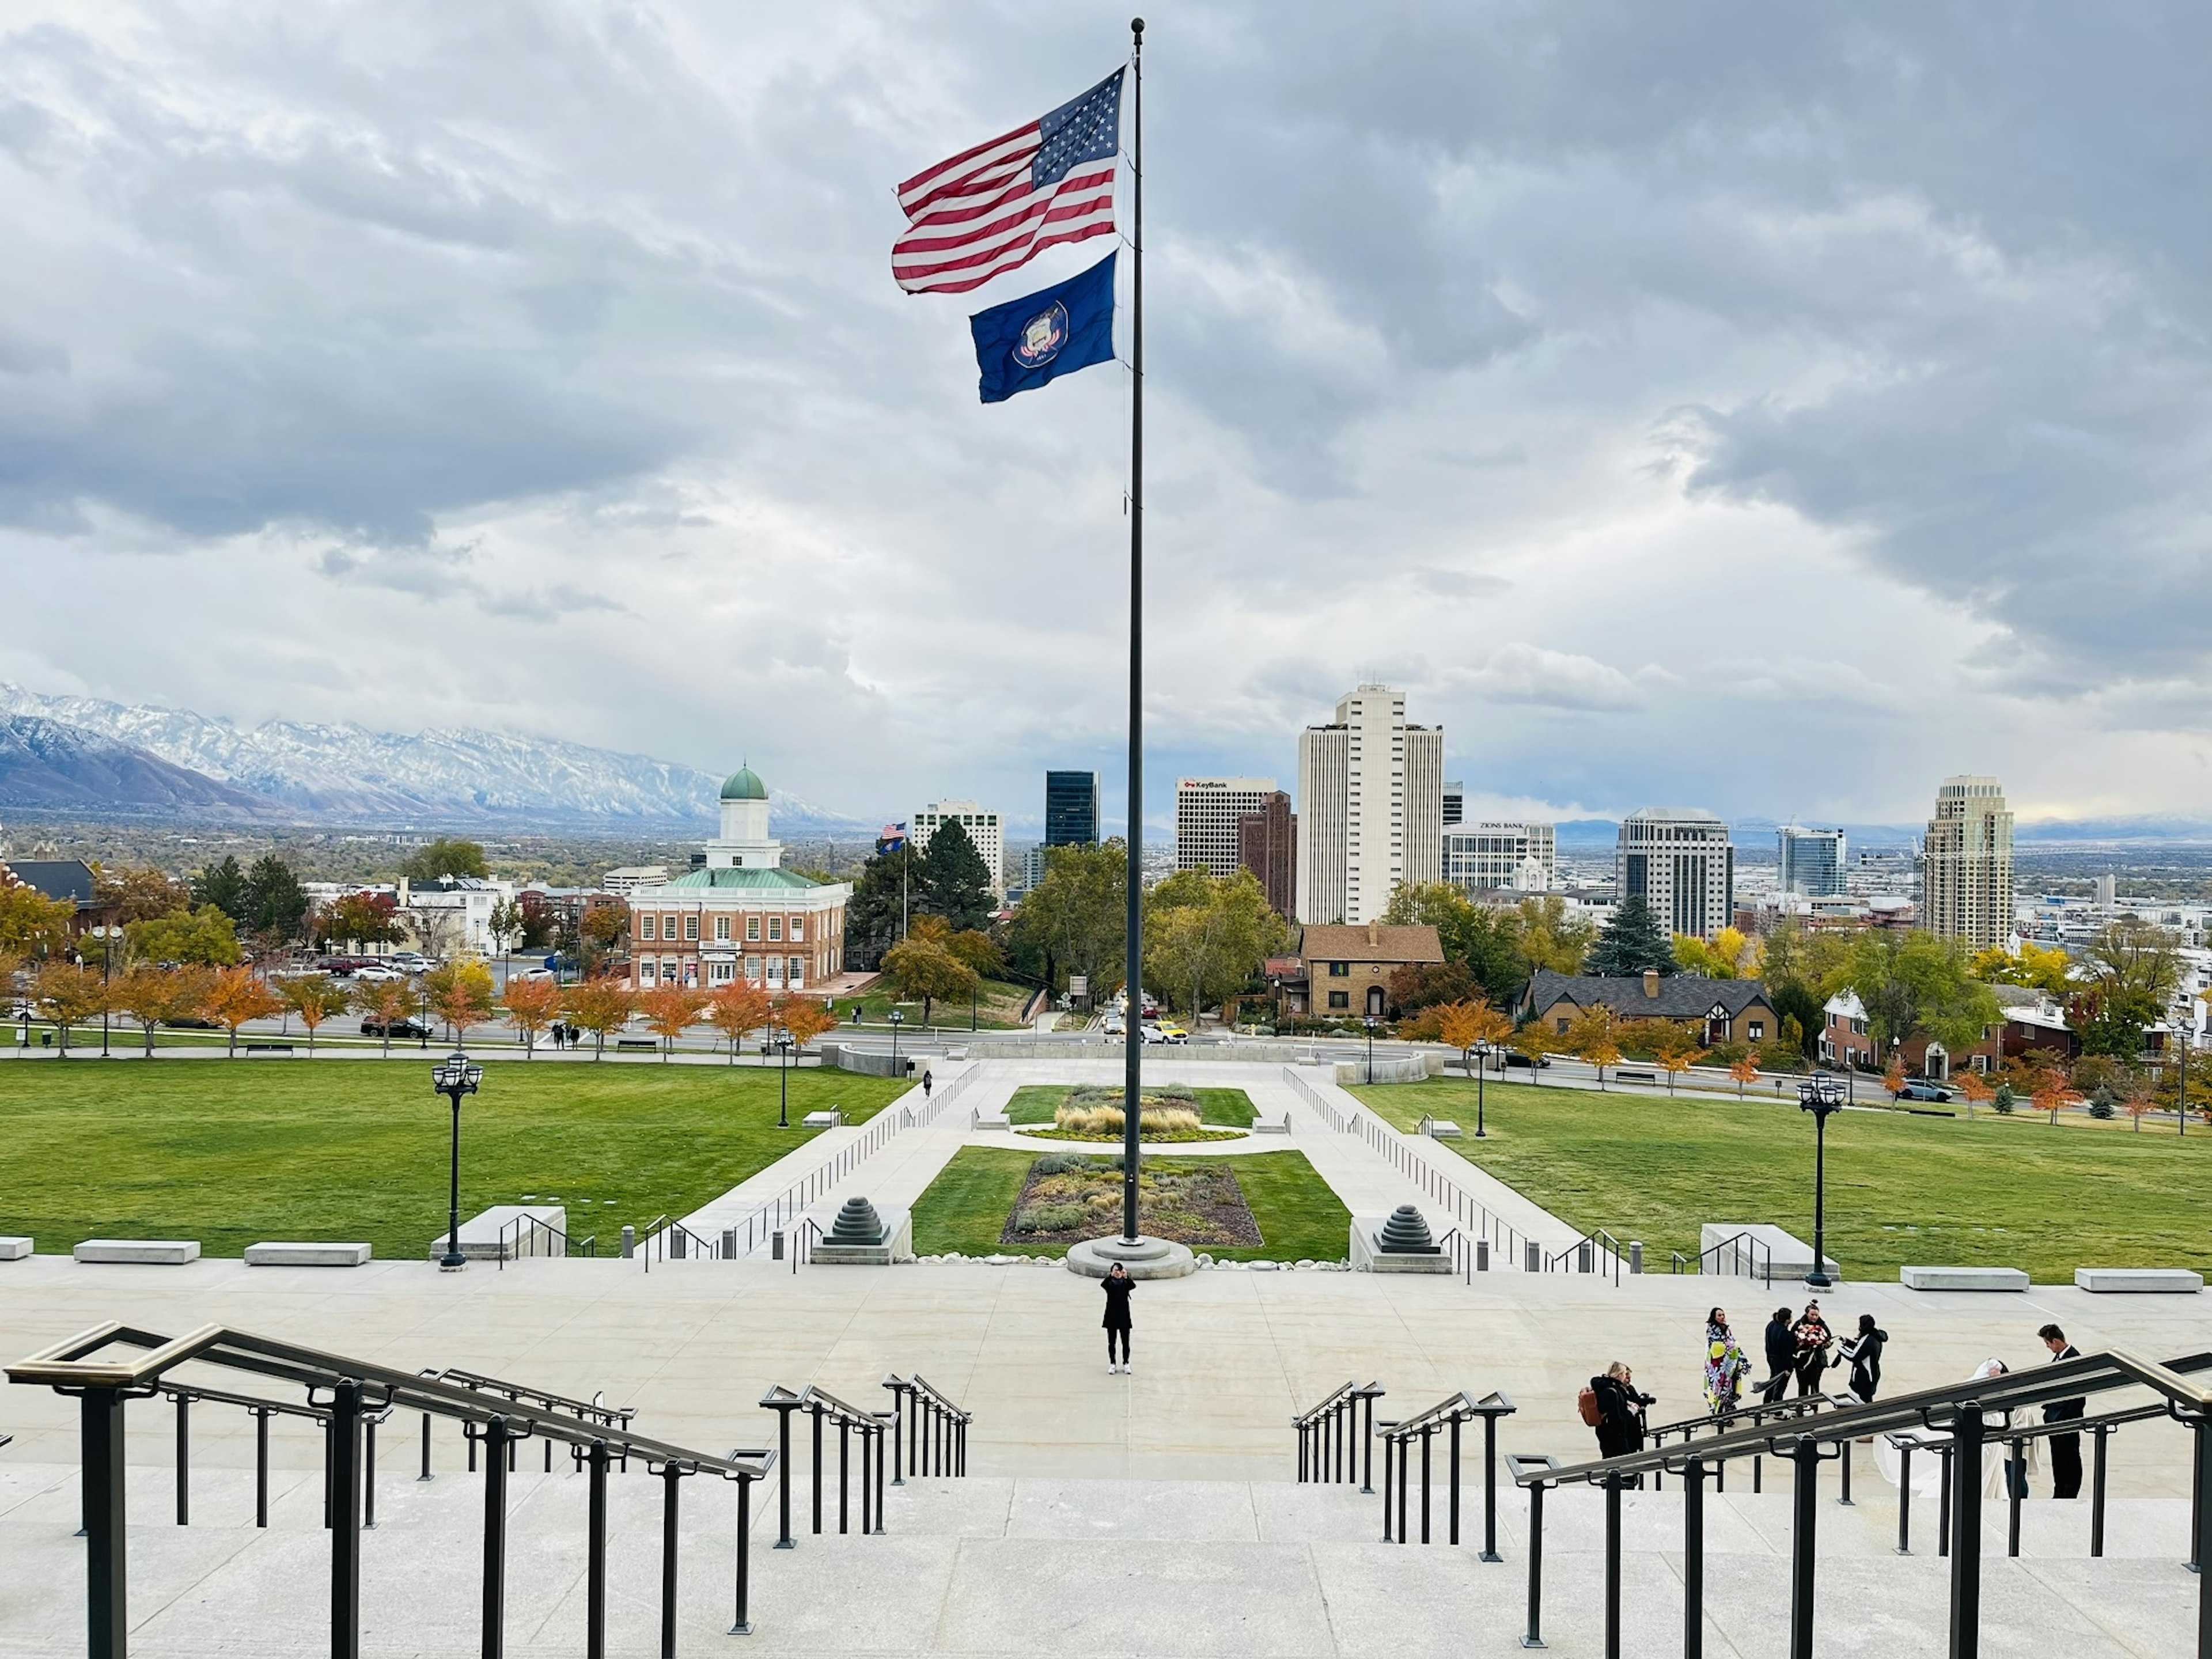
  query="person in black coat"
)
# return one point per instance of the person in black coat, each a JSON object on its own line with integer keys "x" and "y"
{"x": 2065, "y": 1449}
{"x": 1864, "y": 1352}
{"x": 1781, "y": 1357}
{"x": 1620, "y": 1421}
{"x": 1118, "y": 1285}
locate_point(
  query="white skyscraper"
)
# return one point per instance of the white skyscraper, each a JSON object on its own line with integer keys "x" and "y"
{"x": 1371, "y": 807}
{"x": 1965, "y": 880}
{"x": 984, "y": 828}
{"x": 1679, "y": 861}
{"x": 1207, "y": 814}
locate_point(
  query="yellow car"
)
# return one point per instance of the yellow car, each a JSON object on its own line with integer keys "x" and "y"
{"x": 1172, "y": 1032}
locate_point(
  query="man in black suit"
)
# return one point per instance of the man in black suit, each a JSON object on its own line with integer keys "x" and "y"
{"x": 2065, "y": 1449}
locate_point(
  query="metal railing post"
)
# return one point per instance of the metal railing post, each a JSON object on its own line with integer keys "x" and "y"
{"x": 368, "y": 1473}
{"x": 1613, "y": 1566}
{"x": 1367, "y": 1449}
{"x": 1966, "y": 1472}
{"x": 2016, "y": 1482}
{"x": 345, "y": 1523}
{"x": 1405, "y": 1481}
{"x": 844, "y": 1455}
{"x": 1490, "y": 1488}
{"x": 1904, "y": 1499}
{"x": 2097, "y": 1493}
{"x": 1455, "y": 1479}
{"x": 1805, "y": 1504}
{"x": 426, "y": 1474}
{"x": 881, "y": 1435}
{"x": 595, "y": 1553}
{"x": 1844, "y": 1473}
{"x": 495, "y": 1539}
{"x": 1427, "y": 1433}
{"x": 1303, "y": 1438}
{"x": 784, "y": 1541}
{"x": 670, "y": 1541}
{"x": 742, "y": 1624}
{"x": 2201, "y": 1432}
{"x": 960, "y": 1449}
{"x": 1386, "y": 1486}
{"x": 184, "y": 1460}
{"x": 817, "y": 1410}
{"x": 260, "y": 1469}
{"x": 898, "y": 1430}
{"x": 1943, "y": 1501}
{"x": 1534, "y": 1636}
{"x": 107, "y": 1610}
{"x": 1694, "y": 1559}
{"x": 868, "y": 1482}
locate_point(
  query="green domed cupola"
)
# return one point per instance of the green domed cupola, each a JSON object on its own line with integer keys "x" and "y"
{"x": 745, "y": 784}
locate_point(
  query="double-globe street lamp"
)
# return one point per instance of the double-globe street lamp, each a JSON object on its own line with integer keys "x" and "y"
{"x": 1371, "y": 1023}
{"x": 1822, "y": 1096}
{"x": 898, "y": 1020}
{"x": 1481, "y": 1065}
{"x": 455, "y": 1076}
{"x": 108, "y": 936}
{"x": 782, "y": 1040}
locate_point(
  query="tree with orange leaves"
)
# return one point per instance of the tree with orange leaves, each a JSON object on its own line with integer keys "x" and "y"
{"x": 1591, "y": 1039}
{"x": 2055, "y": 1096}
{"x": 670, "y": 1011}
{"x": 803, "y": 1018}
{"x": 531, "y": 1005}
{"x": 599, "y": 1006}
{"x": 737, "y": 1008}
{"x": 235, "y": 997}
{"x": 1463, "y": 1025}
{"x": 1976, "y": 1089}
{"x": 1744, "y": 1071}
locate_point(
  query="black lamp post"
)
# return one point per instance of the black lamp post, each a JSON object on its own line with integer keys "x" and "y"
{"x": 898, "y": 1020}
{"x": 1481, "y": 1065}
{"x": 106, "y": 936}
{"x": 783, "y": 1104}
{"x": 1823, "y": 1097}
{"x": 1371, "y": 1022}
{"x": 455, "y": 1076}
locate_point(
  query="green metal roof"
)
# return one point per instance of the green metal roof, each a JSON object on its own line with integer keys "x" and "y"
{"x": 745, "y": 784}
{"x": 758, "y": 880}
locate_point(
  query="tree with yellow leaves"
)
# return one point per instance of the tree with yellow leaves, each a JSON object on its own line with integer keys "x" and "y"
{"x": 1463, "y": 1025}
{"x": 1676, "y": 1049}
{"x": 151, "y": 996}
{"x": 68, "y": 995}
{"x": 315, "y": 998}
{"x": 1531, "y": 1043}
{"x": 460, "y": 994}
{"x": 1592, "y": 1039}
{"x": 382, "y": 1003}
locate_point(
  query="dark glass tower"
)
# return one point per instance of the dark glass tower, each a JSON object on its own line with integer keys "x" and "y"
{"x": 1071, "y": 809}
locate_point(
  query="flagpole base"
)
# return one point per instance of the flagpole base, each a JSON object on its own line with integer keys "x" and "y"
{"x": 1139, "y": 1258}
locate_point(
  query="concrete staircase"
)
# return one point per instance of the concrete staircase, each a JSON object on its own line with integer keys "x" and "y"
{"x": 1087, "y": 1569}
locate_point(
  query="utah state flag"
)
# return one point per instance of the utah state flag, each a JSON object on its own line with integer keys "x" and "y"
{"x": 1056, "y": 331}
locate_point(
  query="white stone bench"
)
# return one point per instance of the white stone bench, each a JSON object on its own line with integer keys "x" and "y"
{"x": 304, "y": 1254}
{"x": 1440, "y": 1128}
{"x": 158, "y": 1252}
{"x": 505, "y": 1230}
{"x": 2123, "y": 1281}
{"x": 829, "y": 1120}
{"x": 1962, "y": 1279}
{"x": 1767, "y": 1250}
{"x": 1261, "y": 1126}
{"x": 989, "y": 1121}
{"x": 13, "y": 1248}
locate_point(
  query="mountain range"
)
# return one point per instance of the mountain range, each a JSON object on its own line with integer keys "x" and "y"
{"x": 89, "y": 755}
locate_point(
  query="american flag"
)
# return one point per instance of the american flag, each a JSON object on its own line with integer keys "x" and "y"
{"x": 997, "y": 206}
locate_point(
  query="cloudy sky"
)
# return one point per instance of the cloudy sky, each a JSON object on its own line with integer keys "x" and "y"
{"x": 1770, "y": 409}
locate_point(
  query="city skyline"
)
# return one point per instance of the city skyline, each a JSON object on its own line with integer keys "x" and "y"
{"x": 1856, "y": 371}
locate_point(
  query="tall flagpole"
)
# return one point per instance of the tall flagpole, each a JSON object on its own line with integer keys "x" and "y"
{"x": 1134, "y": 1024}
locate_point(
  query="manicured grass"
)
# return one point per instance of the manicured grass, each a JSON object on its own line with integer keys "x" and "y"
{"x": 999, "y": 1010}
{"x": 232, "y": 1153}
{"x": 1902, "y": 1189}
{"x": 1227, "y": 1108}
{"x": 966, "y": 1207}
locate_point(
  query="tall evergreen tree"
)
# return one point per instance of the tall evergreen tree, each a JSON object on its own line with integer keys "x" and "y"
{"x": 872, "y": 918}
{"x": 276, "y": 902}
{"x": 1630, "y": 943}
{"x": 222, "y": 885}
{"x": 955, "y": 878}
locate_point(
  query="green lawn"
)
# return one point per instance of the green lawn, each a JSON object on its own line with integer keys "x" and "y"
{"x": 1227, "y": 1108}
{"x": 966, "y": 1207}
{"x": 231, "y": 1152}
{"x": 2008, "y": 1192}
{"x": 1000, "y": 1009}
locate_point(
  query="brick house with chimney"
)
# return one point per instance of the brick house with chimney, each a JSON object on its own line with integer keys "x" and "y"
{"x": 1719, "y": 1010}
{"x": 1344, "y": 972}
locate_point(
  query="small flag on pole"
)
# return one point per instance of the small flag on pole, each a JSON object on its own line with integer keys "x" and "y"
{"x": 993, "y": 207}
{"x": 1025, "y": 342}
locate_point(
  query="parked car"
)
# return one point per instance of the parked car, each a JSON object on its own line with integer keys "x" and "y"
{"x": 1512, "y": 1060}
{"x": 400, "y": 1028}
{"x": 1113, "y": 1025}
{"x": 378, "y": 973}
{"x": 537, "y": 973}
{"x": 1921, "y": 1089}
{"x": 1172, "y": 1032}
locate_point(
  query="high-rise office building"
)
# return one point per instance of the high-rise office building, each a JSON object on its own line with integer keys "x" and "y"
{"x": 983, "y": 827}
{"x": 1680, "y": 862}
{"x": 1965, "y": 878}
{"x": 1481, "y": 858}
{"x": 1071, "y": 809}
{"x": 1455, "y": 803}
{"x": 1267, "y": 846}
{"x": 1207, "y": 814}
{"x": 1371, "y": 807}
{"x": 1812, "y": 860}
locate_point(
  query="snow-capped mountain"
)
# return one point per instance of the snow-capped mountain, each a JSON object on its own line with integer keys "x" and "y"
{"x": 352, "y": 774}
{"x": 56, "y": 768}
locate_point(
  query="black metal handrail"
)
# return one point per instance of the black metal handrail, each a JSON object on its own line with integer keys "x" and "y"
{"x": 527, "y": 1229}
{"x": 1333, "y": 1443}
{"x": 1753, "y": 1416}
{"x": 1961, "y": 1410}
{"x": 1741, "y": 1247}
{"x": 1583, "y": 1252}
{"x": 357, "y": 1390}
{"x": 1448, "y": 1413}
{"x": 187, "y": 1394}
{"x": 933, "y": 1427}
{"x": 591, "y": 1411}
{"x": 824, "y": 1406}
{"x": 669, "y": 1239}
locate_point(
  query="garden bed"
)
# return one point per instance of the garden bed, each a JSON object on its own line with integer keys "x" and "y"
{"x": 1056, "y": 1112}
{"x": 1068, "y": 1198}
